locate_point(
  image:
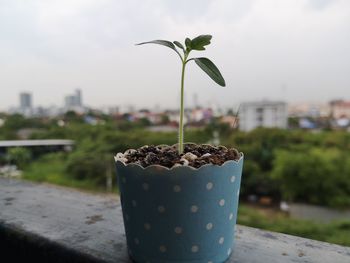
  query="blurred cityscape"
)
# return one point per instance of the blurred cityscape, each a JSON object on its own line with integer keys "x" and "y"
{"x": 334, "y": 115}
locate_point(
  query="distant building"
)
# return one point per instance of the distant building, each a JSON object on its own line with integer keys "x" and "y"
{"x": 25, "y": 103}
{"x": 74, "y": 101}
{"x": 309, "y": 109}
{"x": 269, "y": 114}
{"x": 340, "y": 109}
{"x": 305, "y": 123}
{"x": 231, "y": 121}
{"x": 201, "y": 115}
{"x": 78, "y": 98}
{"x": 69, "y": 101}
{"x": 25, "y": 100}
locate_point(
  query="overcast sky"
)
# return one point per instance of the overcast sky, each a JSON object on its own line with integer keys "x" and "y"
{"x": 295, "y": 50}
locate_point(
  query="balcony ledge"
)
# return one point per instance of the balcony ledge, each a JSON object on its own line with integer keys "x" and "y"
{"x": 53, "y": 224}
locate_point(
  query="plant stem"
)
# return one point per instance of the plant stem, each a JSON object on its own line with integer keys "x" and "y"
{"x": 181, "y": 124}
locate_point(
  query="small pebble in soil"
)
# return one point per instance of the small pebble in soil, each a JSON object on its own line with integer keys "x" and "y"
{"x": 194, "y": 155}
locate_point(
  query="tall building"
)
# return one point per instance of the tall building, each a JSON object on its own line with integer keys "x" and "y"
{"x": 269, "y": 114}
{"x": 73, "y": 101}
{"x": 78, "y": 98}
{"x": 69, "y": 101}
{"x": 25, "y": 101}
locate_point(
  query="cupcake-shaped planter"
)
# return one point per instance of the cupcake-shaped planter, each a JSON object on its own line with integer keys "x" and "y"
{"x": 180, "y": 214}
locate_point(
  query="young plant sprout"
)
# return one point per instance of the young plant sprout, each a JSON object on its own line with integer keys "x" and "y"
{"x": 205, "y": 64}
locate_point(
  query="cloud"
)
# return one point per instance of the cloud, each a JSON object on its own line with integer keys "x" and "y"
{"x": 259, "y": 45}
{"x": 320, "y": 4}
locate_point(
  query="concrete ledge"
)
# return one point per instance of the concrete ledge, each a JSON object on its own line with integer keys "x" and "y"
{"x": 53, "y": 224}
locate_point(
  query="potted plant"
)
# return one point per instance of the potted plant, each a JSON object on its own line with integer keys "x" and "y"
{"x": 180, "y": 202}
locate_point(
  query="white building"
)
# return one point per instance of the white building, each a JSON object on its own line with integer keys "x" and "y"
{"x": 269, "y": 114}
{"x": 309, "y": 109}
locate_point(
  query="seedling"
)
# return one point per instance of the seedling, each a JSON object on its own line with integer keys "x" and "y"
{"x": 205, "y": 64}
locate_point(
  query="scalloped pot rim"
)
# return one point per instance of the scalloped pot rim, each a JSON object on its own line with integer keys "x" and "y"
{"x": 161, "y": 167}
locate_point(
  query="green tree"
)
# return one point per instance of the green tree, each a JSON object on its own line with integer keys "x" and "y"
{"x": 318, "y": 176}
{"x": 164, "y": 119}
{"x": 88, "y": 166}
{"x": 19, "y": 156}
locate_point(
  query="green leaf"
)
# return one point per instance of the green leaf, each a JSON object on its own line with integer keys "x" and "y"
{"x": 188, "y": 44}
{"x": 163, "y": 43}
{"x": 159, "y": 42}
{"x": 179, "y": 45}
{"x": 199, "y": 42}
{"x": 209, "y": 67}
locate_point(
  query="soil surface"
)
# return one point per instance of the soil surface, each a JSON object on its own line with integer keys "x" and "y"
{"x": 194, "y": 155}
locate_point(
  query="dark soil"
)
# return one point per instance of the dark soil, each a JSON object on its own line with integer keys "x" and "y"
{"x": 194, "y": 155}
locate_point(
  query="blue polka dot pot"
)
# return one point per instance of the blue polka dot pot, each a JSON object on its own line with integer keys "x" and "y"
{"x": 182, "y": 214}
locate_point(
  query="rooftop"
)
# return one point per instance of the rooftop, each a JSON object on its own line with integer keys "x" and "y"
{"x": 263, "y": 103}
{"x": 23, "y": 143}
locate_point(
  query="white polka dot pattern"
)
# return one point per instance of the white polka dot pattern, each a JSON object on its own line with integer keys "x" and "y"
{"x": 194, "y": 248}
{"x": 151, "y": 208}
{"x": 177, "y": 188}
{"x": 209, "y": 226}
{"x": 161, "y": 209}
{"x": 162, "y": 248}
{"x": 194, "y": 209}
{"x": 178, "y": 230}
{"x": 209, "y": 185}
